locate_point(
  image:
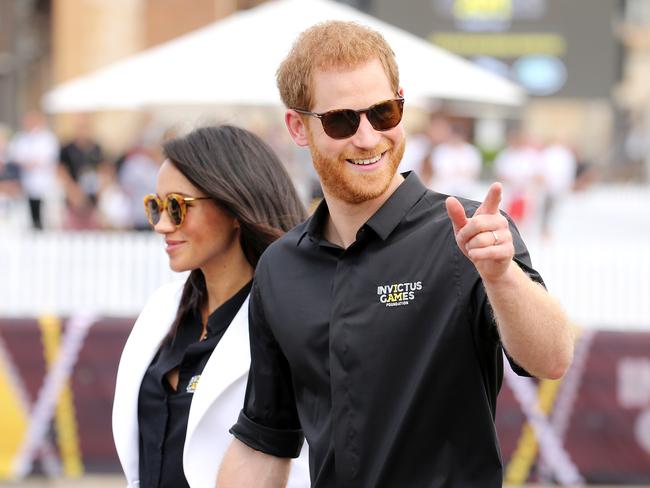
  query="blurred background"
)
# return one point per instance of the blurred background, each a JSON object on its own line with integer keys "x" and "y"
{"x": 550, "y": 97}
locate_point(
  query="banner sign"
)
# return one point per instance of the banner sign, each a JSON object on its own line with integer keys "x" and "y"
{"x": 547, "y": 46}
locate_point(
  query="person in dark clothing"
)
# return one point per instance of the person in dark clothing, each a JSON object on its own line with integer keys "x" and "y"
{"x": 377, "y": 327}
{"x": 9, "y": 178}
{"x": 222, "y": 196}
{"x": 78, "y": 164}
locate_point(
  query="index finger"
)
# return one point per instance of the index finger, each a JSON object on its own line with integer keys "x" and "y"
{"x": 492, "y": 200}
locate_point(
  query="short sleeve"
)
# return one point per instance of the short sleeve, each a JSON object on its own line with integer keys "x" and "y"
{"x": 269, "y": 420}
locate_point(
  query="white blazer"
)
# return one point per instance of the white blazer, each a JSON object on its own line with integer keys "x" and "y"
{"x": 215, "y": 406}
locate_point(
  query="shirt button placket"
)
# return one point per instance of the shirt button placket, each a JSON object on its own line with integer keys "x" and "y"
{"x": 343, "y": 414}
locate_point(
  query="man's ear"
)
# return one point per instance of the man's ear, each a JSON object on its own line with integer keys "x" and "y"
{"x": 400, "y": 91}
{"x": 297, "y": 127}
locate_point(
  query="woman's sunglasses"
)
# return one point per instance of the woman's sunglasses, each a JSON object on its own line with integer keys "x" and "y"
{"x": 175, "y": 204}
{"x": 343, "y": 123}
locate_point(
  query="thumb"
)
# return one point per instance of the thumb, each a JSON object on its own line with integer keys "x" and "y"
{"x": 456, "y": 213}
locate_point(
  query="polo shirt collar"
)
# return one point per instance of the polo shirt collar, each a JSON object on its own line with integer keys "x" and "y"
{"x": 317, "y": 221}
{"x": 384, "y": 220}
{"x": 391, "y": 213}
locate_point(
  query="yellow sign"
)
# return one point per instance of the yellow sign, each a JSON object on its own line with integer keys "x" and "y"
{"x": 483, "y": 9}
{"x": 511, "y": 45}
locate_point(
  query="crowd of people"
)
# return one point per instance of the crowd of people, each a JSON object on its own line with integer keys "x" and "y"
{"x": 75, "y": 185}
{"x": 46, "y": 183}
{"x": 535, "y": 175}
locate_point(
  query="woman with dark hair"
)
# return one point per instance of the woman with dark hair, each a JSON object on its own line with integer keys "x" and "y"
{"x": 222, "y": 196}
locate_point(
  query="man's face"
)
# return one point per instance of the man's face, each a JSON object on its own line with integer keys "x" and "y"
{"x": 363, "y": 166}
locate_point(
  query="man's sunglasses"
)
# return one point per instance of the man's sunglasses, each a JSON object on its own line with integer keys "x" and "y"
{"x": 175, "y": 204}
{"x": 343, "y": 123}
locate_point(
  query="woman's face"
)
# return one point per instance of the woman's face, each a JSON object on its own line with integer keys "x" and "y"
{"x": 207, "y": 238}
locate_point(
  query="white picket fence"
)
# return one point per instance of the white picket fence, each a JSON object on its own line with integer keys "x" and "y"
{"x": 604, "y": 285}
{"x": 69, "y": 273}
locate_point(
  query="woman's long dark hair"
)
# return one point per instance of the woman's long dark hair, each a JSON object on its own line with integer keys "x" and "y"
{"x": 244, "y": 176}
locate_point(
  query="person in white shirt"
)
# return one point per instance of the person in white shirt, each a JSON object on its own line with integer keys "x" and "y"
{"x": 456, "y": 165}
{"x": 516, "y": 166}
{"x": 36, "y": 150}
{"x": 420, "y": 145}
{"x": 557, "y": 169}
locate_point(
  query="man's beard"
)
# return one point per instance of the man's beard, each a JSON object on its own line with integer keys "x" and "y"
{"x": 343, "y": 183}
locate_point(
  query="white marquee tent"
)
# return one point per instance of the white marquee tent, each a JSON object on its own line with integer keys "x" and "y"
{"x": 233, "y": 61}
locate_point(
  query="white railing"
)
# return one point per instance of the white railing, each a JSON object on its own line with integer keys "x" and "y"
{"x": 601, "y": 285}
{"x": 597, "y": 264}
{"x": 67, "y": 273}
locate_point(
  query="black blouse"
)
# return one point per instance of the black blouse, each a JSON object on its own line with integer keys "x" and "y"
{"x": 162, "y": 411}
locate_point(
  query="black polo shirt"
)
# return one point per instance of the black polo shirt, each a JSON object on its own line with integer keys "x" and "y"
{"x": 385, "y": 354}
{"x": 162, "y": 411}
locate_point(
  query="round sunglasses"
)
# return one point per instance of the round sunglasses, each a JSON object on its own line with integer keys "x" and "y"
{"x": 343, "y": 123}
{"x": 175, "y": 204}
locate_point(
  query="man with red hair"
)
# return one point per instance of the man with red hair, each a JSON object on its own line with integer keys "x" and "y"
{"x": 378, "y": 325}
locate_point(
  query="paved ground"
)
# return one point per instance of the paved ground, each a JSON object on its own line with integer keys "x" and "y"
{"x": 85, "y": 482}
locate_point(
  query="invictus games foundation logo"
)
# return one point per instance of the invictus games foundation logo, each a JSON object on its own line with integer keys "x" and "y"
{"x": 398, "y": 294}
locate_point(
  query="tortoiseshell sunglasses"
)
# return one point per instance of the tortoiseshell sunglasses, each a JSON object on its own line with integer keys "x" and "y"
{"x": 175, "y": 204}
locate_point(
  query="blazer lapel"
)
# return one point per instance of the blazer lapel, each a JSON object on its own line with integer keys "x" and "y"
{"x": 229, "y": 361}
{"x": 148, "y": 332}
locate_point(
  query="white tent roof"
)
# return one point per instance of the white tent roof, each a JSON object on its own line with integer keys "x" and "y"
{"x": 233, "y": 61}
